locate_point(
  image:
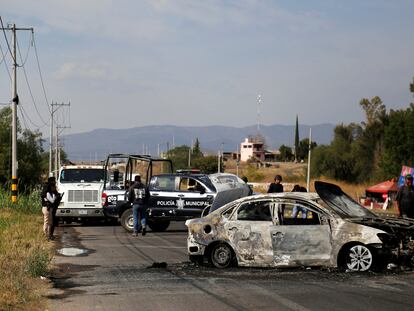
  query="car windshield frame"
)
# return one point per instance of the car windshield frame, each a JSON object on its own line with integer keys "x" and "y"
{"x": 84, "y": 174}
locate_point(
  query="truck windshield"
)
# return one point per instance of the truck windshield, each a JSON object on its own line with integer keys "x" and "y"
{"x": 81, "y": 175}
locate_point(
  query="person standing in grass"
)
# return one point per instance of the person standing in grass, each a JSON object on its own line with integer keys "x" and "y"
{"x": 47, "y": 209}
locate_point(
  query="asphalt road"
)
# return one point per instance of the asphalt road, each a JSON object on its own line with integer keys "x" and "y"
{"x": 121, "y": 272}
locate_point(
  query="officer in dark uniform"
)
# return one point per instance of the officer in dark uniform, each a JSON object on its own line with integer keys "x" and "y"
{"x": 405, "y": 198}
{"x": 276, "y": 186}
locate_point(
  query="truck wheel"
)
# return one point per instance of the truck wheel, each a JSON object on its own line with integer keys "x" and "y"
{"x": 158, "y": 226}
{"x": 127, "y": 220}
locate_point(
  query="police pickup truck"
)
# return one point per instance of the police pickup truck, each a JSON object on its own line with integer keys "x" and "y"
{"x": 182, "y": 196}
{"x": 120, "y": 171}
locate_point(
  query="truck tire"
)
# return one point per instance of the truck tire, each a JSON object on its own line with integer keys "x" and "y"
{"x": 158, "y": 226}
{"x": 127, "y": 220}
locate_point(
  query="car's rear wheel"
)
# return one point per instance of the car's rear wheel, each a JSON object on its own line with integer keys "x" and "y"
{"x": 358, "y": 258}
{"x": 221, "y": 255}
{"x": 158, "y": 226}
{"x": 127, "y": 220}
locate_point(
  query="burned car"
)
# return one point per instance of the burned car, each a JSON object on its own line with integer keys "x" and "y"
{"x": 332, "y": 230}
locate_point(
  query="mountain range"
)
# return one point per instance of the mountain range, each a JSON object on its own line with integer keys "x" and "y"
{"x": 95, "y": 145}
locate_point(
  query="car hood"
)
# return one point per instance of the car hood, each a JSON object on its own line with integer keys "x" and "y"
{"x": 390, "y": 225}
{"x": 340, "y": 202}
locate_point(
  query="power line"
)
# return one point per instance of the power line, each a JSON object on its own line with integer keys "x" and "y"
{"x": 40, "y": 74}
{"x": 23, "y": 118}
{"x": 28, "y": 50}
{"x": 28, "y": 118}
{"x": 3, "y": 55}
{"x": 5, "y": 64}
{"x": 7, "y": 41}
{"x": 29, "y": 88}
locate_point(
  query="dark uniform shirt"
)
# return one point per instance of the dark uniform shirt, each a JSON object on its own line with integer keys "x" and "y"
{"x": 274, "y": 187}
{"x": 137, "y": 193}
{"x": 405, "y": 199}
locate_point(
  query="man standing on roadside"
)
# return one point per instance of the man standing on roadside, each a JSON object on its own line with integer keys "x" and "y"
{"x": 138, "y": 197}
{"x": 276, "y": 186}
{"x": 405, "y": 198}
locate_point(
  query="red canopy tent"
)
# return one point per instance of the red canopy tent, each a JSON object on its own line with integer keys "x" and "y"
{"x": 377, "y": 194}
{"x": 384, "y": 187}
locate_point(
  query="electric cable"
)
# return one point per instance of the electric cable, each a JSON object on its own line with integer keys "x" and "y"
{"x": 28, "y": 118}
{"x": 40, "y": 74}
{"x": 5, "y": 63}
{"x": 27, "y": 52}
{"x": 23, "y": 118}
{"x": 7, "y": 41}
{"x": 3, "y": 55}
{"x": 28, "y": 86}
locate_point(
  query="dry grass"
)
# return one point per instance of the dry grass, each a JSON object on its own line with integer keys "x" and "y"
{"x": 24, "y": 256}
{"x": 291, "y": 172}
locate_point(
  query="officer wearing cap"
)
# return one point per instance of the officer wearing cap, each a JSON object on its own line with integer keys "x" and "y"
{"x": 405, "y": 198}
{"x": 276, "y": 186}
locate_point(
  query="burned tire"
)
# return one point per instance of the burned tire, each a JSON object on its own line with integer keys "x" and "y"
{"x": 221, "y": 256}
{"x": 127, "y": 220}
{"x": 158, "y": 226}
{"x": 357, "y": 258}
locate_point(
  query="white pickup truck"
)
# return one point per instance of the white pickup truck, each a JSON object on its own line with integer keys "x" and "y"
{"x": 81, "y": 186}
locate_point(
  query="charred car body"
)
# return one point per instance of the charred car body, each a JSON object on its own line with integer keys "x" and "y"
{"x": 335, "y": 232}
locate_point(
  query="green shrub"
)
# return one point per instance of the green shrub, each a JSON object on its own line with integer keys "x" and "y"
{"x": 37, "y": 262}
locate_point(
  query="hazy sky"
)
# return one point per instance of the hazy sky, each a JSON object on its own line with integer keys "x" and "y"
{"x": 131, "y": 63}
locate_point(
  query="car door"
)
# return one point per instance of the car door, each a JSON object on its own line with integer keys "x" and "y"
{"x": 162, "y": 192}
{"x": 193, "y": 194}
{"x": 300, "y": 241}
{"x": 248, "y": 230}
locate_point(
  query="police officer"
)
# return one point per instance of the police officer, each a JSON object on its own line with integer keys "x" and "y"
{"x": 276, "y": 186}
{"x": 405, "y": 198}
{"x": 137, "y": 195}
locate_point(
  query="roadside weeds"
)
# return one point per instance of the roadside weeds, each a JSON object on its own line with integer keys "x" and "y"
{"x": 25, "y": 255}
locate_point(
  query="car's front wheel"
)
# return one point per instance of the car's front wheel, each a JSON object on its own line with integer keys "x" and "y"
{"x": 221, "y": 255}
{"x": 127, "y": 220}
{"x": 358, "y": 258}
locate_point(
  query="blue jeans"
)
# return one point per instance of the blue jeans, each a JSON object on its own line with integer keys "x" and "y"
{"x": 297, "y": 209}
{"x": 139, "y": 214}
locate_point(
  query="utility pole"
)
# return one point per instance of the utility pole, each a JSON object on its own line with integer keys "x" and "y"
{"x": 259, "y": 101}
{"x": 309, "y": 159}
{"x": 55, "y": 107}
{"x": 15, "y": 102}
{"x": 57, "y": 150}
{"x": 189, "y": 157}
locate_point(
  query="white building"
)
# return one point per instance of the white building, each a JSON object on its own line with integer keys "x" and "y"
{"x": 251, "y": 149}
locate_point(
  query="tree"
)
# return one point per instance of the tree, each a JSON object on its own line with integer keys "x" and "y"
{"x": 179, "y": 156}
{"x": 29, "y": 153}
{"x": 398, "y": 142}
{"x": 30, "y": 159}
{"x": 303, "y": 149}
{"x": 285, "y": 153}
{"x": 207, "y": 164}
{"x": 297, "y": 157}
{"x": 374, "y": 109}
{"x": 196, "y": 150}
